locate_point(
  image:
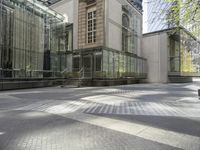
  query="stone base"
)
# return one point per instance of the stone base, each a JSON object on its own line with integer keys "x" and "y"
{"x": 25, "y": 84}
{"x": 37, "y": 83}
{"x": 178, "y": 79}
{"x": 102, "y": 82}
{"x": 114, "y": 82}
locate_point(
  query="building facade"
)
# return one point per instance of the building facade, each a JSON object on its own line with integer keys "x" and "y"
{"x": 107, "y": 38}
{"x": 172, "y": 57}
{"x": 86, "y": 39}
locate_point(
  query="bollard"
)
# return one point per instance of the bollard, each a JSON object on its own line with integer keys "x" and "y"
{"x": 199, "y": 93}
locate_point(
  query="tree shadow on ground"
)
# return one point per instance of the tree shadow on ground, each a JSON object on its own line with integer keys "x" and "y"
{"x": 190, "y": 126}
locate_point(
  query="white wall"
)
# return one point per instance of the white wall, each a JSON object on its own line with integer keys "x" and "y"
{"x": 75, "y": 25}
{"x": 155, "y": 49}
{"x": 113, "y": 24}
{"x": 66, "y": 8}
{"x": 69, "y": 8}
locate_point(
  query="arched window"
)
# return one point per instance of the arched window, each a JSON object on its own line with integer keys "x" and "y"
{"x": 125, "y": 37}
{"x": 125, "y": 21}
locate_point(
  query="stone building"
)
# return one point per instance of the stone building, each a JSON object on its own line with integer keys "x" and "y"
{"x": 87, "y": 39}
{"x": 107, "y": 38}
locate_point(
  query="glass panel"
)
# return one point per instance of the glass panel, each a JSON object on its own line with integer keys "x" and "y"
{"x": 123, "y": 65}
{"x": 110, "y": 63}
{"x": 174, "y": 54}
{"x": 116, "y": 65}
{"x": 105, "y": 61}
{"x": 190, "y": 58}
{"x": 76, "y": 64}
{"x": 87, "y": 66}
{"x": 98, "y": 62}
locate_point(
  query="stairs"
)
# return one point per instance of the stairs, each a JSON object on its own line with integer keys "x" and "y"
{"x": 76, "y": 82}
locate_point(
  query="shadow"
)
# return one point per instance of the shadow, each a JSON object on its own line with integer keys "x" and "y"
{"x": 25, "y": 125}
{"x": 176, "y": 124}
{"x": 53, "y": 132}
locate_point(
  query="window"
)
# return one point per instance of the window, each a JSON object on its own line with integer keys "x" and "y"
{"x": 69, "y": 40}
{"x": 125, "y": 36}
{"x": 98, "y": 62}
{"x": 76, "y": 63}
{"x": 125, "y": 21}
{"x": 91, "y": 25}
{"x": 174, "y": 54}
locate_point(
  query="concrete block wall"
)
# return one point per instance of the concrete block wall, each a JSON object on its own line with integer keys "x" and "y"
{"x": 155, "y": 49}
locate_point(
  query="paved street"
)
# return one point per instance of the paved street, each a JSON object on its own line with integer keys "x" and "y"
{"x": 132, "y": 117}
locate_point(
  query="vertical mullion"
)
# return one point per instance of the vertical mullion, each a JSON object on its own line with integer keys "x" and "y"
{"x": 1, "y": 31}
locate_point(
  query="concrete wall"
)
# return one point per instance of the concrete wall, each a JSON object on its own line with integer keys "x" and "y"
{"x": 66, "y": 8}
{"x": 75, "y": 25}
{"x": 155, "y": 49}
{"x": 113, "y": 24}
{"x": 69, "y": 8}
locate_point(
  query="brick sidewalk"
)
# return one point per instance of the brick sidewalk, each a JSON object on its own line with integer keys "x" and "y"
{"x": 133, "y": 117}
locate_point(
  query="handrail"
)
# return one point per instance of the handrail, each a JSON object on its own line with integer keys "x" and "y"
{"x": 81, "y": 72}
{"x": 65, "y": 70}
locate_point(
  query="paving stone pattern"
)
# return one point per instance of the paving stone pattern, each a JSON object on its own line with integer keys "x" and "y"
{"x": 132, "y": 117}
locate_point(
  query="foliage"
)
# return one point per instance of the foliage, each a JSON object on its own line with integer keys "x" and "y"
{"x": 176, "y": 13}
{"x": 188, "y": 10}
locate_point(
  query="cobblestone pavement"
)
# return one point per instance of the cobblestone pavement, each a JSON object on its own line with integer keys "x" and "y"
{"x": 132, "y": 117}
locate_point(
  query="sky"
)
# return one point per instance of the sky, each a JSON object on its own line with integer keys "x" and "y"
{"x": 145, "y": 16}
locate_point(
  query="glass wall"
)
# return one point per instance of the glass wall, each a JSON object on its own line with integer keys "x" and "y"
{"x": 119, "y": 65}
{"x": 184, "y": 54}
{"x": 190, "y": 54}
{"x": 32, "y": 40}
{"x": 174, "y": 53}
{"x": 109, "y": 64}
{"x": 131, "y": 30}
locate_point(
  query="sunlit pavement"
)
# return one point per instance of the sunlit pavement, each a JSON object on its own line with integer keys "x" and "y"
{"x": 133, "y": 117}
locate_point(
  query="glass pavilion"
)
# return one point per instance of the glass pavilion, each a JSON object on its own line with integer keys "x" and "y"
{"x": 32, "y": 40}
{"x": 184, "y": 53}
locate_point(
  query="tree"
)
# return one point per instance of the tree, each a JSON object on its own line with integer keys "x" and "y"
{"x": 178, "y": 13}
{"x": 185, "y": 13}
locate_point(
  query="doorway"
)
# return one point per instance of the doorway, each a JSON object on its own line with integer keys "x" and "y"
{"x": 87, "y": 66}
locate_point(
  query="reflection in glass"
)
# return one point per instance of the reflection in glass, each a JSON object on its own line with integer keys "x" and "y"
{"x": 32, "y": 41}
{"x": 184, "y": 54}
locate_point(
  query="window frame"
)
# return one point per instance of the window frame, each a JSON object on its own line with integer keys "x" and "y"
{"x": 93, "y": 25}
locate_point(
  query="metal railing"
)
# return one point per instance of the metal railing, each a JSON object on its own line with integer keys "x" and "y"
{"x": 81, "y": 76}
{"x": 28, "y": 74}
{"x": 81, "y": 73}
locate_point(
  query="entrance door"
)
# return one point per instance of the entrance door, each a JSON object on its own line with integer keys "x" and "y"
{"x": 87, "y": 66}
